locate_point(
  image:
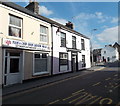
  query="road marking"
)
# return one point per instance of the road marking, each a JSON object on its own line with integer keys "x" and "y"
{"x": 116, "y": 86}
{"x": 87, "y": 98}
{"x": 118, "y": 104}
{"x": 74, "y": 94}
{"x": 96, "y": 84}
{"x": 78, "y": 98}
{"x": 78, "y": 91}
{"x": 95, "y": 100}
{"x": 104, "y": 99}
{"x": 53, "y": 102}
{"x": 100, "y": 68}
{"x": 108, "y": 79}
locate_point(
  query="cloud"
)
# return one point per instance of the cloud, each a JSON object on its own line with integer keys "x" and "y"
{"x": 85, "y": 16}
{"x": 95, "y": 45}
{"x": 109, "y": 35}
{"x": 60, "y": 20}
{"x": 105, "y": 26}
{"x": 44, "y": 11}
{"x": 114, "y": 20}
{"x": 97, "y": 15}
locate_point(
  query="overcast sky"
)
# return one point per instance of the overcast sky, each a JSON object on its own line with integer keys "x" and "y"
{"x": 85, "y": 16}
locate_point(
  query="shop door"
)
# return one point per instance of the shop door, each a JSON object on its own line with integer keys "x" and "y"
{"x": 12, "y": 67}
{"x": 74, "y": 62}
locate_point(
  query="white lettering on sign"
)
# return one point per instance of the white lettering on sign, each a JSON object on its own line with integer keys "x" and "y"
{"x": 24, "y": 45}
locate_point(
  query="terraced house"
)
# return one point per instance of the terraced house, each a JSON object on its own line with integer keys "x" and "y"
{"x": 33, "y": 46}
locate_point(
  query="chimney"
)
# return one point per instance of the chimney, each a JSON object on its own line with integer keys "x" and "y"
{"x": 69, "y": 25}
{"x": 33, "y": 6}
{"x": 110, "y": 45}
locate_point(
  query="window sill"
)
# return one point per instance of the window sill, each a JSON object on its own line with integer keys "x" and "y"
{"x": 63, "y": 46}
{"x": 13, "y": 37}
{"x": 83, "y": 49}
{"x": 40, "y": 73}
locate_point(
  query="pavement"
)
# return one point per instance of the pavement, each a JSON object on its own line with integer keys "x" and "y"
{"x": 45, "y": 80}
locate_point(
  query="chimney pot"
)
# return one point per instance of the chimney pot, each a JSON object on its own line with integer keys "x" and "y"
{"x": 69, "y": 25}
{"x": 33, "y": 6}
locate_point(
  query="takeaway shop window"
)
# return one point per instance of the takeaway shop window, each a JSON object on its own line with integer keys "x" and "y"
{"x": 83, "y": 61}
{"x": 63, "y": 63}
{"x": 15, "y": 26}
{"x": 63, "y": 59}
{"x": 14, "y": 54}
{"x": 40, "y": 63}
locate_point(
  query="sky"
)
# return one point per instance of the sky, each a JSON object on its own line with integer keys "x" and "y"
{"x": 86, "y": 16}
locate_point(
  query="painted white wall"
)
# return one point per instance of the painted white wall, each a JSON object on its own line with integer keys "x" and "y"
{"x": 30, "y": 24}
{"x": 0, "y": 62}
{"x": 110, "y": 52}
{"x": 57, "y": 49}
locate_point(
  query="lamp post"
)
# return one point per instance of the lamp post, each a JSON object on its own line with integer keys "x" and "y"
{"x": 92, "y": 47}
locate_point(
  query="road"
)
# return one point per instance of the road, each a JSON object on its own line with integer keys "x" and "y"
{"x": 99, "y": 87}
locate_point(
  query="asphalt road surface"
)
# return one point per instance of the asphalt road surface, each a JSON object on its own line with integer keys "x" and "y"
{"x": 99, "y": 87}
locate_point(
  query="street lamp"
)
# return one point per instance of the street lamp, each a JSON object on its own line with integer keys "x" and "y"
{"x": 92, "y": 46}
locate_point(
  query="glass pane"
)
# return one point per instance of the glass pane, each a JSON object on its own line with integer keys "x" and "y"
{"x": 14, "y": 65}
{"x": 40, "y": 65}
{"x": 63, "y": 62}
{"x": 5, "y": 78}
{"x": 37, "y": 55}
{"x": 63, "y": 35}
{"x": 6, "y": 53}
{"x": 6, "y": 65}
{"x": 43, "y": 29}
{"x": 63, "y": 42}
{"x": 73, "y": 38}
{"x": 43, "y": 38}
{"x": 14, "y": 54}
{"x": 15, "y": 21}
{"x": 14, "y": 32}
{"x": 44, "y": 55}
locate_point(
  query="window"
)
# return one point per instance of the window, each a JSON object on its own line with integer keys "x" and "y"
{"x": 43, "y": 34}
{"x": 113, "y": 56}
{"x": 108, "y": 59}
{"x": 63, "y": 61}
{"x": 82, "y": 44}
{"x": 83, "y": 61}
{"x": 73, "y": 42}
{"x": 40, "y": 62}
{"x": 15, "y": 26}
{"x": 14, "y": 65}
{"x": 63, "y": 39}
{"x": 104, "y": 52}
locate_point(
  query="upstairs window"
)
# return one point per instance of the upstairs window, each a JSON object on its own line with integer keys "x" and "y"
{"x": 15, "y": 26}
{"x": 82, "y": 44}
{"x": 43, "y": 34}
{"x": 63, "y": 39}
{"x": 74, "y": 42}
{"x": 104, "y": 52}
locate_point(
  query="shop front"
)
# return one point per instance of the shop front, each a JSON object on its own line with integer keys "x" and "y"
{"x": 24, "y": 60}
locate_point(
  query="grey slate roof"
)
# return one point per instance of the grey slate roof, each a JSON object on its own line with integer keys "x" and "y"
{"x": 26, "y": 11}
